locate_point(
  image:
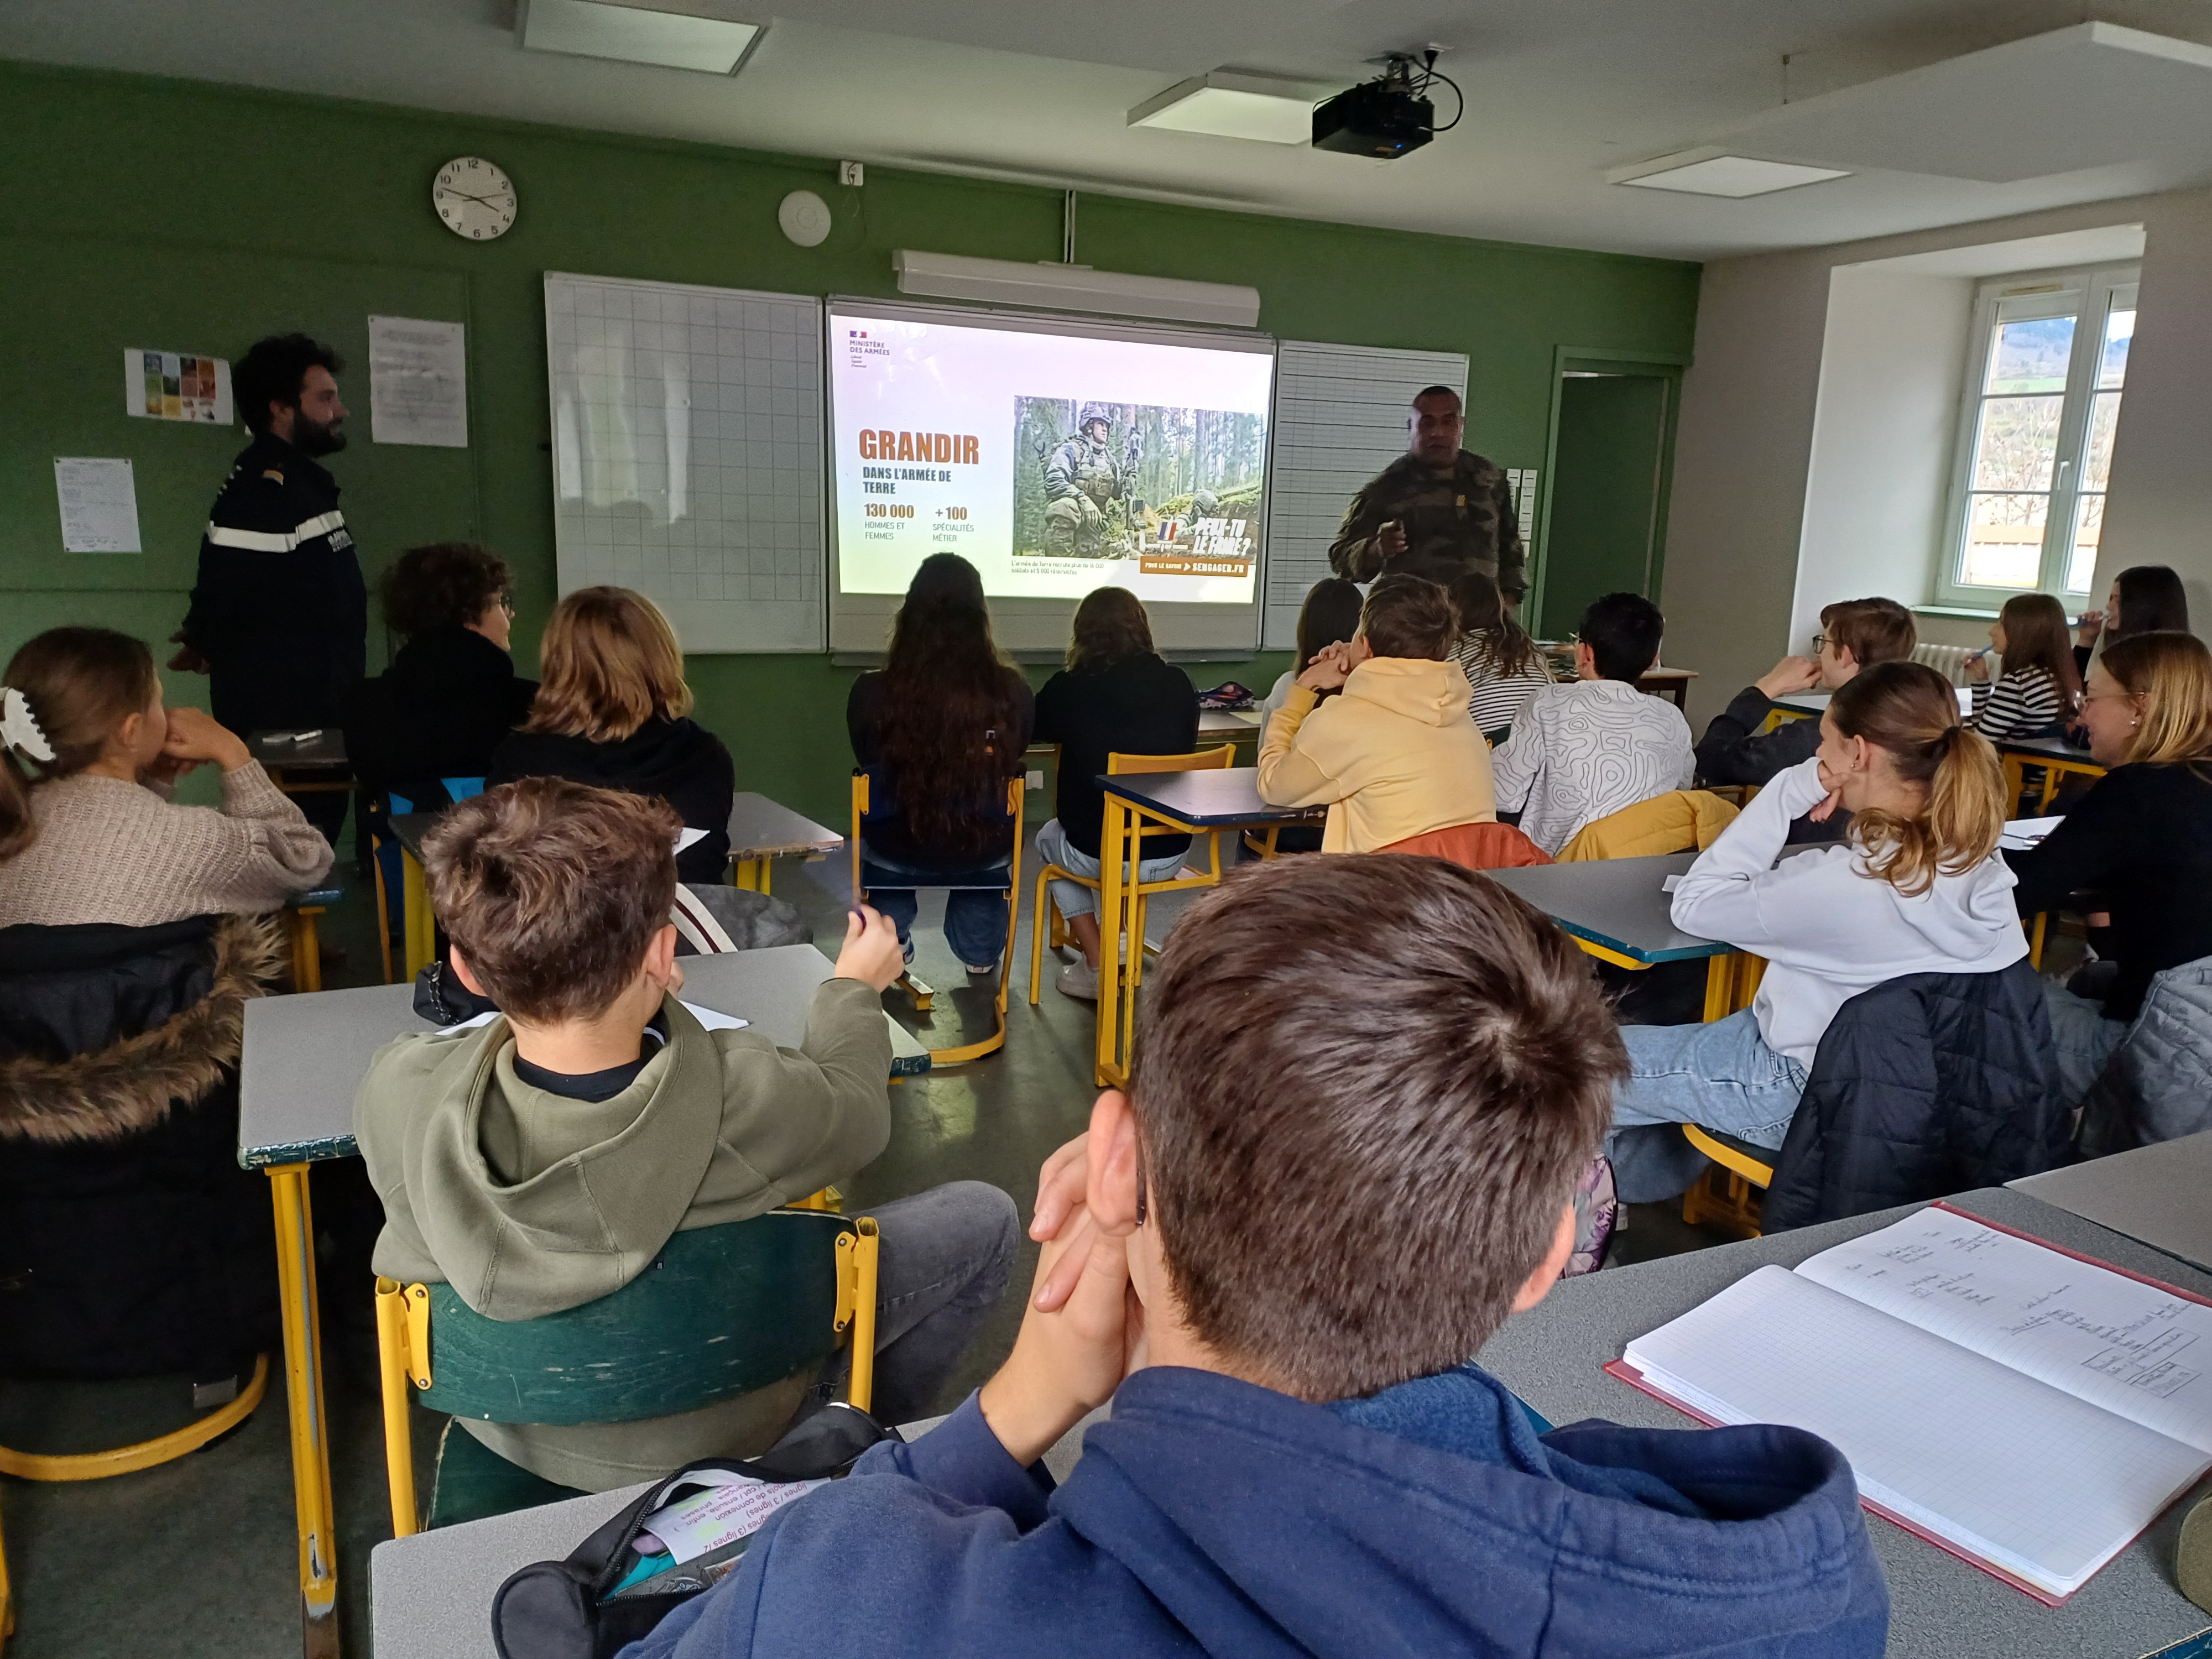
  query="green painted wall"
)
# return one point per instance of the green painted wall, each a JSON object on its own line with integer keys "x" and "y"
{"x": 143, "y": 212}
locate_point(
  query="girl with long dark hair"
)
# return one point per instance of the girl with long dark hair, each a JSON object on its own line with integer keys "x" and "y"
{"x": 942, "y": 726}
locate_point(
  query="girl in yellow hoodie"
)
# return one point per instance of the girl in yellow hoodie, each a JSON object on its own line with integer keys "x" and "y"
{"x": 1397, "y": 754}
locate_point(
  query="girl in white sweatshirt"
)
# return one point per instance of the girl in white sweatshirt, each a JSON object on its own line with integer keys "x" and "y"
{"x": 1918, "y": 887}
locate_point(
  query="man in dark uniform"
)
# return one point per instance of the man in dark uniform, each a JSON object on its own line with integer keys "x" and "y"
{"x": 1436, "y": 511}
{"x": 279, "y": 617}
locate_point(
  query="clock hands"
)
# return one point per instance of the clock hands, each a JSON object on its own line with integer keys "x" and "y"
{"x": 485, "y": 201}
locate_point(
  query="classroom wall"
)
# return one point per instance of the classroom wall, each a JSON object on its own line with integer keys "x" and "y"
{"x": 1744, "y": 504}
{"x": 219, "y": 213}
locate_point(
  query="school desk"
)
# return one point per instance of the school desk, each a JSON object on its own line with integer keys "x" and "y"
{"x": 418, "y": 922}
{"x": 299, "y": 913}
{"x": 431, "y": 1596}
{"x": 761, "y": 830}
{"x": 1672, "y": 683}
{"x": 2154, "y": 1194}
{"x": 303, "y": 1058}
{"x": 1940, "y": 1607}
{"x": 2056, "y": 757}
{"x": 319, "y": 765}
{"x": 1193, "y": 803}
{"x": 1218, "y": 725}
{"x": 1617, "y": 910}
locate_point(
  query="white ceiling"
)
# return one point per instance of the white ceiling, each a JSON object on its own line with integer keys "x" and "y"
{"x": 1036, "y": 90}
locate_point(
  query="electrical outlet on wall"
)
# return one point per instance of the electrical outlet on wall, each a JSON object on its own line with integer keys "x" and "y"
{"x": 1037, "y": 779}
{"x": 850, "y": 172}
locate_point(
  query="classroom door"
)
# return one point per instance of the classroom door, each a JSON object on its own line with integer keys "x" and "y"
{"x": 1607, "y": 480}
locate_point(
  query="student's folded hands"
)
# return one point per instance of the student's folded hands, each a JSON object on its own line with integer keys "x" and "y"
{"x": 871, "y": 952}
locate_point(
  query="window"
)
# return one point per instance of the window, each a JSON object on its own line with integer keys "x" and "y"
{"x": 2043, "y": 378}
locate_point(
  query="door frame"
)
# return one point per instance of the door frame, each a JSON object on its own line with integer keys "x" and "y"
{"x": 1666, "y": 365}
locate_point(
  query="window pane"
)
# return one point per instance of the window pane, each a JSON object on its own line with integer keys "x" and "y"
{"x": 2018, "y": 442}
{"x": 2029, "y": 356}
{"x": 2081, "y": 560}
{"x": 2119, "y": 334}
{"x": 2097, "y": 453}
{"x": 2003, "y": 545}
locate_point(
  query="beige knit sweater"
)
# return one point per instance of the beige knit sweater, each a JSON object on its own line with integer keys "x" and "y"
{"x": 123, "y": 854}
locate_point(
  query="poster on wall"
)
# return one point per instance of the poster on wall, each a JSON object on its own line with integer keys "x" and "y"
{"x": 418, "y": 390}
{"x": 176, "y": 385}
{"x": 99, "y": 499}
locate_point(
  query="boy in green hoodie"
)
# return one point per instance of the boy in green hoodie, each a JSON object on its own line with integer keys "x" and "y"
{"x": 540, "y": 1161}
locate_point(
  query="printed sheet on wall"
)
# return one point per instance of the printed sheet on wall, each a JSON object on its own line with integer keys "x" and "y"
{"x": 687, "y": 455}
{"x": 1340, "y": 419}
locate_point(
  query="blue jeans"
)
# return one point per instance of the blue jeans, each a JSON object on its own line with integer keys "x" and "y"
{"x": 1721, "y": 1075}
{"x": 1072, "y": 898}
{"x": 975, "y": 917}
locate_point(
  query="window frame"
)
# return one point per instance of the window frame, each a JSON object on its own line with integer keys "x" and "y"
{"x": 2085, "y": 294}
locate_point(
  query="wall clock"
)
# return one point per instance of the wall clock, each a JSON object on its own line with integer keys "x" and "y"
{"x": 473, "y": 198}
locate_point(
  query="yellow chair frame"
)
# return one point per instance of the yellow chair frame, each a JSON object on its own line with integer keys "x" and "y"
{"x": 924, "y": 997}
{"x": 1725, "y": 1193}
{"x": 403, "y": 1351}
{"x": 1050, "y": 927}
{"x": 126, "y": 1460}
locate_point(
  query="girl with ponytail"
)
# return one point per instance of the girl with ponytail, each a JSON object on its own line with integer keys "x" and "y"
{"x": 1917, "y": 887}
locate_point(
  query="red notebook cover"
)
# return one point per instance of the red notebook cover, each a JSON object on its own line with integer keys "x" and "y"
{"x": 1635, "y": 1379}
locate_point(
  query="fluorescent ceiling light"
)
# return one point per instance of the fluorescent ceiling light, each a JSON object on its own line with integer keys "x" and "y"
{"x": 1073, "y": 287}
{"x": 1231, "y": 104}
{"x": 588, "y": 28}
{"x": 1701, "y": 173}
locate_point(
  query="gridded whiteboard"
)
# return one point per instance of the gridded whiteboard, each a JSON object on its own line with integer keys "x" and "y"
{"x": 1340, "y": 419}
{"x": 687, "y": 455}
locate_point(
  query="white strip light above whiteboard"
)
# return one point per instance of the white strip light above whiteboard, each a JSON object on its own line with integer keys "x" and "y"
{"x": 1073, "y": 287}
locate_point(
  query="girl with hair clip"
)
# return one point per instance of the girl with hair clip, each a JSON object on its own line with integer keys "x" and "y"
{"x": 1499, "y": 660}
{"x": 2141, "y": 839}
{"x": 88, "y": 831}
{"x": 945, "y": 719}
{"x": 1328, "y": 616}
{"x": 614, "y": 711}
{"x": 1916, "y": 888}
{"x": 2041, "y": 687}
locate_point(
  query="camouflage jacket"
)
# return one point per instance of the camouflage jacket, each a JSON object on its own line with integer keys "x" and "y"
{"x": 1454, "y": 521}
{"x": 1078, "y": 466}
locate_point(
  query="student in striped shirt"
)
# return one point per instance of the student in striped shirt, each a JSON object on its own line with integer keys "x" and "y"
{"x": 2040, "y": 688}
{"x": 1501, "y": 662}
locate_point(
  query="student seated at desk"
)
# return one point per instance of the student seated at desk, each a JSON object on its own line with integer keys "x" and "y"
{"x": 614, "y": 712}
{"x": 2141, "y": 840}
{"x": 1499, "y": 660}
{"x": 87, "y": 832}
{"x": 1330, "y": 615}
{"x": 1116, "y": 696}
{"x": 2040, "y": 688}
{"x": 2146, "y": 598}
{"x": 540, "y": 1161}
{"x": 1346, "y": 1158}
{"x": 1397, "y": 754}
{"x": 1916, "y": 888}
{"x": 944, "y": 722}
{"x": 1584, "y": 751}
{"x": 452, "y": 693}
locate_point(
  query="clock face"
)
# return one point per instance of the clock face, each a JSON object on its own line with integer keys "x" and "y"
{"x": 474, "y": 198}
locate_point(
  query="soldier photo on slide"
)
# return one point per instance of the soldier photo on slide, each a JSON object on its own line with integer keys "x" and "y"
{"x": 1098, "y": 480}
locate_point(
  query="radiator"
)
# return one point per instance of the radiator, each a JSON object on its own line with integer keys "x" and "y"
{"x": 1948, "y": 660}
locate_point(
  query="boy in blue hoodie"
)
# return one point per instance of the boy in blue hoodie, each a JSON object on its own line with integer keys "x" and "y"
{"x": 1363, "y": 1089}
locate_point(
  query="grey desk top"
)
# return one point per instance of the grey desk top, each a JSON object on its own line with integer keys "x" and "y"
{"x": 304, "y": 1055}
{"x": 1620, "y": 904}
{"x": 275, "y": 749}
{"x": 1804, "y": 703}
{"x": 431, "y": 1596}
{"x": 2158, "y": 1195}
{"x": 1217, "y": 798}
{"x": 760, "y": 828}
{"x": 1227, "y": 722}
{"x": 1554, "y": 1357}
{"x": 411, "y": 828}
{"x": 2052, "y": 748}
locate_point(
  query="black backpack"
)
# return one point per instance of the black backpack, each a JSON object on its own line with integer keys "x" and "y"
{"x": 567, "y": 1610}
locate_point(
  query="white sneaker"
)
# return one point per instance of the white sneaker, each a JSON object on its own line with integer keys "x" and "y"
{"x": 1078, "y": 979}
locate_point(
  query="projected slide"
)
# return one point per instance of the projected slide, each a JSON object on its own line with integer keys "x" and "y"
{"x": 1055, "y": 463}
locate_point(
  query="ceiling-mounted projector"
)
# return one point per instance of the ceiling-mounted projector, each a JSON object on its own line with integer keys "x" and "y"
{"x": 1388, "y": 117}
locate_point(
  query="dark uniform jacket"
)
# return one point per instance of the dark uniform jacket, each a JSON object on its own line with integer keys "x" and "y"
{"x": 280, "y": 611}
{"x": 1457, "y": 520}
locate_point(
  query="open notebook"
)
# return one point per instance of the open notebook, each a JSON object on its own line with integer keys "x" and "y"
{"x": 2027, "y": 1409}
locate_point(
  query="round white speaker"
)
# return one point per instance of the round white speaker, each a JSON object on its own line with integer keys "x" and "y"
{"x": 805, "y": 217}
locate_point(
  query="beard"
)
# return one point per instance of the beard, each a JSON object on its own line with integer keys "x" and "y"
{"x": 315, "y": 438}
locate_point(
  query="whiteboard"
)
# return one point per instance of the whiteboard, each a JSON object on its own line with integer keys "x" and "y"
{"x": 687, "y": 455}
{"x": 1340, "y": 419}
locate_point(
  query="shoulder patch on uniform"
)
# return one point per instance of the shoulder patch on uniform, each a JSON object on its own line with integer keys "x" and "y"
{"x": 271, "y": 472}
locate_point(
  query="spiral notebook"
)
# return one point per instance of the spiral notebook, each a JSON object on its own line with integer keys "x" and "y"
{"x": 2025, "y": 1408}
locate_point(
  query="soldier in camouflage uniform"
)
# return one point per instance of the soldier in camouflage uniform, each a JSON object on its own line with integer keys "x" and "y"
{"x": 1080, "y": 479}
{"x": 1436, "y": 511}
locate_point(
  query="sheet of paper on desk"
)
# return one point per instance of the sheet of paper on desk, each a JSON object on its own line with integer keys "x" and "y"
{"x": 2020, "y": 834}
{"x": 732, "y": 1506}
{"x": 1670, "y": 883}
{"x": 688, "y": 838}
{"x": 711, "y": 1018}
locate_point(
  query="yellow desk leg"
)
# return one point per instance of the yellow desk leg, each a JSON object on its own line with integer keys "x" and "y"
{"x": 2016, "y": 781}
{"x": 2035, "y": 940}
{"x": 306, "y": 948}
{"x": 7, "y": 1600}
{"x": 303, "y": 1392}
{"x": 1720, "y": 986}
{"x": 1112, "y": 853}
{"x": 422, "y": 922}
{"x": 750, "y": 874}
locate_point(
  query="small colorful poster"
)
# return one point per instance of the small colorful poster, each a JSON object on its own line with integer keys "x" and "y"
{"x": 168, "y": 385}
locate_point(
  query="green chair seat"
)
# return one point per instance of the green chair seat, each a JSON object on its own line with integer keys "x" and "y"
{"x": 473, "y": 1482}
